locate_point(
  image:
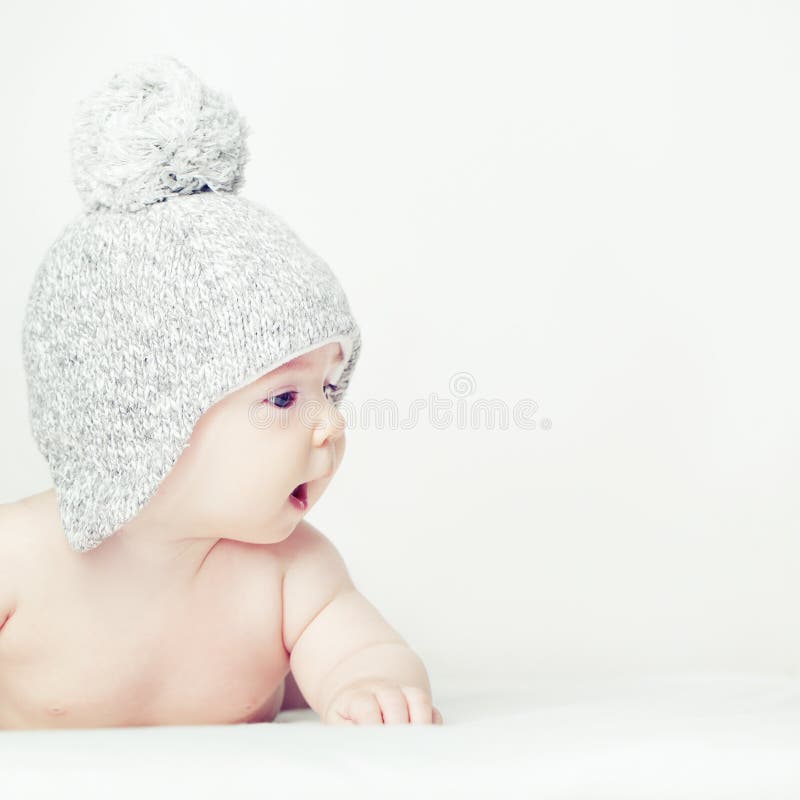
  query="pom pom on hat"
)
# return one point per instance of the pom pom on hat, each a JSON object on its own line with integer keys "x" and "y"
{"x": 153, "y": 131}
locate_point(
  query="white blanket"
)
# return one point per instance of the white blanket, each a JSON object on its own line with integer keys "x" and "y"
{"x": 670, "y": 736}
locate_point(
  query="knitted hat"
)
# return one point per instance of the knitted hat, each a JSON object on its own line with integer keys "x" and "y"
{"x": 167, "y": 293}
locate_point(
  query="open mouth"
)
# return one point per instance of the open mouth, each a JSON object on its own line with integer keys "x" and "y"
{"x": 299, "y": 497}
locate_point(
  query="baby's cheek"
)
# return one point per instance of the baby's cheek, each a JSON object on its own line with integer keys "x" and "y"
{"x": 228, "y": 492}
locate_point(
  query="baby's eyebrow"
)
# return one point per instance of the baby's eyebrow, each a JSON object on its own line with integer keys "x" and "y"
{"x": 298, "y": 364}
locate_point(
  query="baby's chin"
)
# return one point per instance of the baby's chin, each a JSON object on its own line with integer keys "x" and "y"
{"x": 264, "y": 530}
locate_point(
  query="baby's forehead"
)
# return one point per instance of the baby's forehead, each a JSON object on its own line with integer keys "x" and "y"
{"x": 319, "y": 358}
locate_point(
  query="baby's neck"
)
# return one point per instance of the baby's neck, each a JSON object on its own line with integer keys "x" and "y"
{"x": 141, "y": 554}
{"x": 175, "y": 560}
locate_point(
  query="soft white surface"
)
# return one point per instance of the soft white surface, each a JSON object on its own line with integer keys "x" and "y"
{"x": 667, "y": 736}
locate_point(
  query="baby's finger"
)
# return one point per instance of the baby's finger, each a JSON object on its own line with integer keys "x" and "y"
{"x": 419, "y": 705}
{"x": 394, "y": 706}
{"x": 364, "y": 709}
{"x": 437, "y": 717}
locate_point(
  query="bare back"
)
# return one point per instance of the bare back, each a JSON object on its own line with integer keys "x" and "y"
{"x": 89, "y": 648}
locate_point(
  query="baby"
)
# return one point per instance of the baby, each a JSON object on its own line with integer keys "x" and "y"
{"x": 186, "y": 357}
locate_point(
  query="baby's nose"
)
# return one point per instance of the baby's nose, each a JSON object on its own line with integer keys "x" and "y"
{"x": 329, "y": 423}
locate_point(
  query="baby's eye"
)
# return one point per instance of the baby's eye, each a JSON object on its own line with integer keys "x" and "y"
{"x": 281, "y": 398}
{"x": 286, "y": 399}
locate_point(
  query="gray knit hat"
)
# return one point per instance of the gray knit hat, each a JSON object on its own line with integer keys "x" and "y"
{"x": 167, "y": 293}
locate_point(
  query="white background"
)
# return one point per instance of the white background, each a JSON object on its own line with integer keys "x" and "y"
{"x": 590, "y": 205}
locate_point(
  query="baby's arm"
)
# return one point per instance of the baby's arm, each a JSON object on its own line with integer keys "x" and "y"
{"x": 337, "y": 640}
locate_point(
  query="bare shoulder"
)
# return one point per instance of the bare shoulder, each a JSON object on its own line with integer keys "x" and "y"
{"x": 23, "y": 525}
{"x": 314, "y": 572}
{"x": 14, "y": 522}
{"x": 305, "y": 541}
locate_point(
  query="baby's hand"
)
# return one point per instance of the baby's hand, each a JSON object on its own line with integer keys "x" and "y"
{"x": 382, "y": 703}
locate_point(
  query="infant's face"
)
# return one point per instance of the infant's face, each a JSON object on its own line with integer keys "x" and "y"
{"x": 250, "y": 450}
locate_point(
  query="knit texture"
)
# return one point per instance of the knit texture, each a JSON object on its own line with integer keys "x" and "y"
{"x": 166, "y": 294}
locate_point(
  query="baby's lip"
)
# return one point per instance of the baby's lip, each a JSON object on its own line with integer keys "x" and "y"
{"x": 300, "y": 491}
